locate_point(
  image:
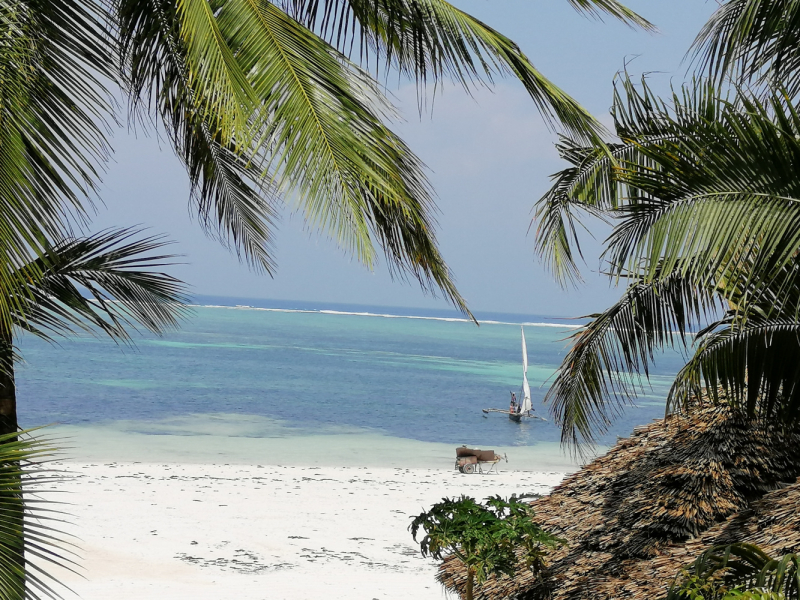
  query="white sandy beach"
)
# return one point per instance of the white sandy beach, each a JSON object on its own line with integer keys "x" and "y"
{"x": 203, "y": 529}
{"x": 258, "y": 532}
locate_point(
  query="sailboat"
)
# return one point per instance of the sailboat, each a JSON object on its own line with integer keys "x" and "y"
{"x": 521, "y": 409}
{"x": 524, "y": 400}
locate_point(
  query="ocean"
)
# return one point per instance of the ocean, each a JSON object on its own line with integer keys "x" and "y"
{"x": 277, "y": 370}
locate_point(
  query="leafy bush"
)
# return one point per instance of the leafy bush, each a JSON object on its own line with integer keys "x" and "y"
{"x": 485, "y": 537}
{"x": 739, "y": 571}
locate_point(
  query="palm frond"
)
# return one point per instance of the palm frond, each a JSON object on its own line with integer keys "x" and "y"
{"x": 320, "y": 137}
{"x": 599, "y": 8}
{"x": 752, "y": 41}
{"x": 589, "y": 187}
{"x": 30, "y": 540}
{"x": 609, "y": 355}
{"x": 744, "y": 238}
{"x": 221, "y": 87}
{"x": 595, "y": 182}
{"x": 52, "y": 107}
{"x": 260, "y": 107}
{"x": 639, "y": 114}
{"x": 121, "y": 274}
{"x": 234, "y": 203}
{"x": 429, "y": 40}
{"x": 704, "y": 190}
{"x": 353, "y": 176}
{"x": 390, "y": 29}
{"x": 742, "y": 567}
{"x": 752, "y": 366}
{"x": 719, "y": 191}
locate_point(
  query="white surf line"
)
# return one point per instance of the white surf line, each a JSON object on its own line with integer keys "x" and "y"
{"x": 384, "y": 316}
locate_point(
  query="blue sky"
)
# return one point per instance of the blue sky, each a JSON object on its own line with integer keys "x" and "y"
{"x": 489, "y": 156}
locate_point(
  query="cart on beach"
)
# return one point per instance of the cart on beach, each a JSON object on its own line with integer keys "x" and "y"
{"x": 473, "y": 460}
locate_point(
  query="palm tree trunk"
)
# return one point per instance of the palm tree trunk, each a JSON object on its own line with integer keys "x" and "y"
{"x": 12, "y": 507}
{"x": 470, "y": 582}
{"x": 8, "y": 392}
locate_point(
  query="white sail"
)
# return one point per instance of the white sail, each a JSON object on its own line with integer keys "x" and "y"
{"x": 526, "y": 395}
{"x": 526, "y": 390}
{"x": 524, "y": 352}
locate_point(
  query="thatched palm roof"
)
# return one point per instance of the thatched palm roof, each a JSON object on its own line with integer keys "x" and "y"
{"x": 635, "y": 516}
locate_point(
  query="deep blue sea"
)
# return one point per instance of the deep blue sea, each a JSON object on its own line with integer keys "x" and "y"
{"x": 419, "y": 375}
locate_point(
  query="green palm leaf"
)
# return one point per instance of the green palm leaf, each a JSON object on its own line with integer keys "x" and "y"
{"x": 587, "y": 187}
{"x": 353, "y": 176}
{"x": 29, "y": 525}
{"x": 598, "y": 8}
{"x": 221, "y": 88}
{"x": 720, "y": 570}
{"x": 52, "y": 106}
{"x": 705, "y": 199}
{"x": 234, "y": 203}
{"x": 603, "y": 368}
{"x": 752, "y": 40}
{"x": 740, "y": 237}
{"x": 428, "y": 40}
{"x": 320, "y": 137}
{"x": 705, "y": 182}
{"x": 596, "y": 183}
{"x": 721, "y": 198}
{"x": 261, "y": 107}
{"x": 750, "y": 366}
{"x": 120, "y": 273}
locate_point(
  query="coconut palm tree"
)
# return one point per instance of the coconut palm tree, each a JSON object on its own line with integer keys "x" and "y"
{"x": 704, "y": 195}
{"x": 107, "y": 283}
{"x": 264, "y": 102}
{"x": 705, "y": 199}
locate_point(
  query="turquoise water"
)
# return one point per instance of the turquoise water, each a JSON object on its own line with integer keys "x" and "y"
{"x": 302, "y": 373}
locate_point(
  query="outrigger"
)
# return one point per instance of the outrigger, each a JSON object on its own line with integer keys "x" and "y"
{"x": 520, "y": 409}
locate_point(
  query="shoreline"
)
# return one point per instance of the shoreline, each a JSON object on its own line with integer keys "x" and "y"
{"x": 259, "y": 510}
{"x": 135, "y": 442}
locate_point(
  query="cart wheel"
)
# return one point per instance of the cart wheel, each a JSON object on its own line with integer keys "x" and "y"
{"x": 461, "y": 469}
{"x": 469, "y": 468}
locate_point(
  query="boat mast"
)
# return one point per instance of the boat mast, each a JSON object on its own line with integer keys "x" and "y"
{"x": 526, "y": 390}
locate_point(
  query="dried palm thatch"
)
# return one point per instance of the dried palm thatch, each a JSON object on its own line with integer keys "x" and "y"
{"x": 635, "y": 516}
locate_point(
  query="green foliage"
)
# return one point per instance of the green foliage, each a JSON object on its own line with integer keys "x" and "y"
{"x": 53, "y": 107}
{"x": 118, "y": 269}
{"x": 264, "y": 101}
{"x": 703, "y": 193}
{"x": 28, "y": 520}
{"x": 695, "y": 588}
{"x": 485, "y": 537}
{"x": 601, "y": 371}
{"x": 260, "y": 105}
{"x": 738, "y": 571}
{"x": 706, "y": 206}
{"x": 752, "y": 42}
